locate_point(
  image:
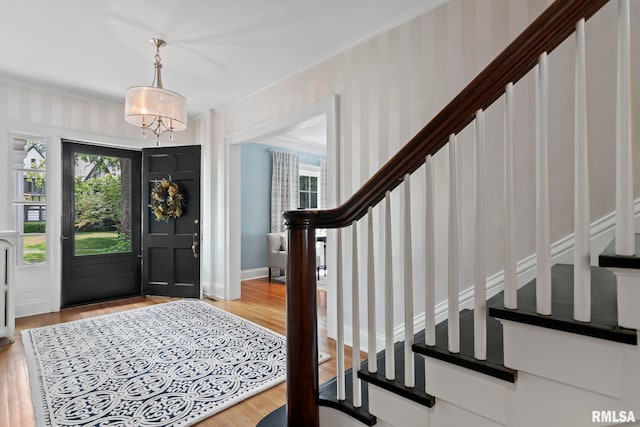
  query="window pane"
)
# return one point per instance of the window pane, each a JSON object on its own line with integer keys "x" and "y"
{"x": 102, "y": 204}
{"x": 304, "y": 183}
{"x": 313, "y": 183}
{"x": 34, "y": 219}
{"x": 29, "y": 187}
{"x": 34, "y": 249}
{"x": 28, "y": 162}
{"x": 29, "y": 154}
{"x": 304, "y": 200}
{"x": 313, "y": 200}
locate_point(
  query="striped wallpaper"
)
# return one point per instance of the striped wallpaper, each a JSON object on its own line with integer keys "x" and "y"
{"x": 392, "y": 84}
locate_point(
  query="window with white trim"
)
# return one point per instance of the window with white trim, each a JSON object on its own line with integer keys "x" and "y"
{"x": 29, "y": 158}
{"x": 309, "y": 178}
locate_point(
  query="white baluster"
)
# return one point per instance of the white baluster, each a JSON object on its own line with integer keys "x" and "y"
{"x": 480, "y": 288}
{"x": 429, "y": 255}
{"x": 510, "y": 255}
{"x": 625, "y": 238}
{"x": 454, "y": 250}
{"x": 355, "y": 302}
{"x": 581, "y": 207}
{"x": 409, "y": 366}
{"x": 543, "y": 234}
{"x": 389, "y": 355}
{"x": 340, "y": 308}
{"x": 371, "y": 296}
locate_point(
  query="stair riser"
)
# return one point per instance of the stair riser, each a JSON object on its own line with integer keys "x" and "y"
{"x": 330, "y": 417}
{"x": 576, "y": 360}
{"x": 628, "y": 283}
{"x": 480, "y": 394}
{"x": 395, "y": 410}
{"x": 542, "y": 402}
{"x": 446, "y": 414}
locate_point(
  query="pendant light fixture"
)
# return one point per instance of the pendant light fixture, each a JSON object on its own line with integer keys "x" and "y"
{"x": 154, "y": 108}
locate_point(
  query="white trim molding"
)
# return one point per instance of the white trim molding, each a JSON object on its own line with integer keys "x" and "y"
{"x": 254, "y": 273}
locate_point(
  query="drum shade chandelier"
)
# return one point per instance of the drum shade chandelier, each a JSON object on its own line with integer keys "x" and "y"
{"x": 155, "y": 108}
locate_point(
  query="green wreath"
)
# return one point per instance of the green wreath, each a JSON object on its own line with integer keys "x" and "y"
{"x": 167, "y": 201}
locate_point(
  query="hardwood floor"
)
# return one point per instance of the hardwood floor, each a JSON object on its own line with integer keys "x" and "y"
{"x": 262, "y": 302}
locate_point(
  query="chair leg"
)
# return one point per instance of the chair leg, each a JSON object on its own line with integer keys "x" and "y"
{"x": 269, "y": 275}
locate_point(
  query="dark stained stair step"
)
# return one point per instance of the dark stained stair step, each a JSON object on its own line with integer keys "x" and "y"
{"x": 609, "y": 258}
{"x": 493, "y": 366}
{"x": 416, "y": 394}
{"x": 329, "y": 398}
{"x": 604, "y": 308}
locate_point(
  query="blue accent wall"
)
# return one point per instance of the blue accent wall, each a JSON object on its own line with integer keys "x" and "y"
{"x": 256, "y": 200}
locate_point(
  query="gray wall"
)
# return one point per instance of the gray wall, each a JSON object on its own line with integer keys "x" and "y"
{"x": 256, "y": 200}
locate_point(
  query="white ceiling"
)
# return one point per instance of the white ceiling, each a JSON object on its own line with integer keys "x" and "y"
{"x": 218, "y": 51}
{"x": 309, "y": 136}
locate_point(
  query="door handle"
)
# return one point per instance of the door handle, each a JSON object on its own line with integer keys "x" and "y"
{"x": 195, "y": 241}
{"x": 194, "y": 247}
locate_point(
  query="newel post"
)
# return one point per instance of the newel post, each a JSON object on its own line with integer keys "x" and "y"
{"x": 302, "y": 331}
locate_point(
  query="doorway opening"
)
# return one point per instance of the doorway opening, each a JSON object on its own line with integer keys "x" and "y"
{"x": 328, "y": 110}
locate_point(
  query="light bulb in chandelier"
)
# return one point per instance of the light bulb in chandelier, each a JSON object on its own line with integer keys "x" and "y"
{"x": 153, "y": 107}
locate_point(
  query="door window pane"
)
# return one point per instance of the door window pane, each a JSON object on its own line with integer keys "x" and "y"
{"x": 102, "y": 207}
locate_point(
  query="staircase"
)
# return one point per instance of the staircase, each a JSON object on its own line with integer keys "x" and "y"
{"x": 558, "y": 350}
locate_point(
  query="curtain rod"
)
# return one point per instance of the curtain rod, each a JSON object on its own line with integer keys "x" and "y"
{"x": 307, "y": 157}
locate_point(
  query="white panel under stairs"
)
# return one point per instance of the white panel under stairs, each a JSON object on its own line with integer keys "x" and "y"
{"x": 7, "y": 283}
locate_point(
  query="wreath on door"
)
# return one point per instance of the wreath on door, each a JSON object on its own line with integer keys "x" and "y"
{"x": 167, "y": 201}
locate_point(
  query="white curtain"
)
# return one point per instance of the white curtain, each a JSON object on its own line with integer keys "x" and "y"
{"x": 285, "y": 187}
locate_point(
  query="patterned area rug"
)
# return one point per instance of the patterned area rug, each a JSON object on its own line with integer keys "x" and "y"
{"x": 174, "y": 364}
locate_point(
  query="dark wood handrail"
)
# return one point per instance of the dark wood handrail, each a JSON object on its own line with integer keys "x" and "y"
{"x": 544, "y": 34}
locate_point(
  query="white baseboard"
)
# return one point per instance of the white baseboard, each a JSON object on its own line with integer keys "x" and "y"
{"x": 254, "y": 273}
{"x": 31, "y": 308}
{"x": 215, "y": 290}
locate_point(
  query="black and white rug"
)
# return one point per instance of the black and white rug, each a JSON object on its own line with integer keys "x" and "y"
{"x": 175, "y": 363}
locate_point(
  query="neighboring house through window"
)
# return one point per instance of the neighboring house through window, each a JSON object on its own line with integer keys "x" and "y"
{"x": 29, "y": 198}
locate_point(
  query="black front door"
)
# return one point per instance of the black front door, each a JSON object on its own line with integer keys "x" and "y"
{"x": 171, "y": 245}
{"x": 101, "y": 223}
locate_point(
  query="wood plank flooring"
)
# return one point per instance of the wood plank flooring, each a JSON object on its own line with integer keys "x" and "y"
{"x": 262, "y": 302}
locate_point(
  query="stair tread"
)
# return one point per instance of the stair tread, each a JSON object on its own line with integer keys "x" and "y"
{"x": 604, "y": 308}
{"x": 329, "y": 398}
{"x": 493, "y": 366}
{"x": 416, "y": 394}
{"x": 609, "y": 258}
